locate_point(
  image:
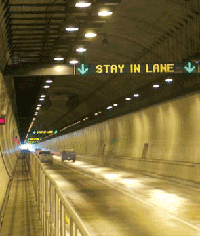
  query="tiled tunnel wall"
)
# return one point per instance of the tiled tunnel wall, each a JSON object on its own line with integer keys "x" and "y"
{"x": 8, "y": 147}
{"x": 163, "y": 139}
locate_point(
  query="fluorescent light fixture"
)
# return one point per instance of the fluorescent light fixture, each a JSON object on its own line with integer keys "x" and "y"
{"x": 90, "y": 35}
{"x": 115, "y": 104}
{"x": 83, "y": 4}
{"x": 41, "y": 99}
{"x": 156, "y": 86}
{"x": 46, "y": 86}
{"x": 58, "y": 59}
{"x": 81, "y": 49}
{"x": 127, "y": 99}
{"x": 96, "y": 114}
{"x": 49, "y": 81}
{"x": 73, "y": 62}
{"x": 72, "y": 29}
{"x": 105, "y": 13}
{"x": 39, "y": 105}
{"x": 38, "y": 108}
{"x": 168, "y": 80}
{"x": 136, "y": 95}
{"x": 42, "y": 96}
{"x": 109, "y": 107}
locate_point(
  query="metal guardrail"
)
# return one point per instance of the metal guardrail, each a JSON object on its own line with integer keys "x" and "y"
{"x": 56, "y": 213}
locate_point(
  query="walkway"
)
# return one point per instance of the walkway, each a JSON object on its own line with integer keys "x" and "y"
{"x": 21, "y": 216}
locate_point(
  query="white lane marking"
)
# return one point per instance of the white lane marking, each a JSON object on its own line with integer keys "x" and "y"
{"x": 144, "y": 202}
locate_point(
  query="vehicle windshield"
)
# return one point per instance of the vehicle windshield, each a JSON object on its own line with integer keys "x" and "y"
{"x": 45, "y": 152}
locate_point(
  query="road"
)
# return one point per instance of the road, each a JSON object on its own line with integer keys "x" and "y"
{"x": 118, "y": 203}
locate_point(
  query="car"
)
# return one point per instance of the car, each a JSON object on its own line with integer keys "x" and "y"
{"x": 68, "y": 154}
{"x": 45, "y": 157}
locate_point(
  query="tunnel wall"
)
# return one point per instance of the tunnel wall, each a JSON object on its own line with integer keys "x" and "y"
{"x": 8, "y": 147}
{"x": 163, "y": 139}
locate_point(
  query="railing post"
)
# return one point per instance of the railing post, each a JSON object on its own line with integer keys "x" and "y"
{"x": 71, "y": 227}
{"x": 57, "y": 215}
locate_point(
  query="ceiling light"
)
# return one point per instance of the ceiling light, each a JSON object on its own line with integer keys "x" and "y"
{"x": 96, "y": 114}
{"x": 42, "y": 96}
{"x": 105, "y": 13}
{"x": 136, "y": 95}
{"x": 90, "y": 35}
{"x": 49, "y": 81}
{"x": 168, "y": 80}
{"x": 127, "y": 99}
{"x": 37, "y": 108}
{"x": 58, "y": 58}
{"x": 109, "y": 107}
{"x": 115, "y": 104}
{"x": 39, "y": 105}
{"x": 46, "y": 86}
{"x": 71, "y": 29}
{"x": 156, "y": 86}
{"x": 81, "y": 49}
{"x": 41, "y": 99}
{"x": 73, "y": 62}
{"x": 82, "y": 4}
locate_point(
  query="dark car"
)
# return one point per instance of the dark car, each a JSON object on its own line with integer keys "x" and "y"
{"x": 45, "y": 157}
{"x": 68, "y": 154}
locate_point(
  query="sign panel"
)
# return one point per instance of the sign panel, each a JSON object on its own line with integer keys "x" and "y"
{"x": 2, "y": 121}
{"x": 142, "y": 68}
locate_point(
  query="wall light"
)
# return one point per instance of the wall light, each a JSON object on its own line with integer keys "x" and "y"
{"x": 99, "y": 112}
{"x": 46, "y": 86}
{"x": 127, "y": 99}
{"x": 83, "y": 4}
{"x": 115, "y": 104}
{"x": 96, "y": 114}
{"x": 36, "y": 113}
{"x": 90, "y": 35}
{"x": 105, "y": 13}
{"x": 38, "y": 108}
{"x": 109, "y": 107}
{"x": 73, "y": 62}
{"x": 42, "y": 96}
{"x": 39, "y": 105}
{"x": 41, "y": 99}
{"x": 156, "y": 86}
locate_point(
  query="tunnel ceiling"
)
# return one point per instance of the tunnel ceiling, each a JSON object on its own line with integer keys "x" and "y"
{"x": 36, "y": 33}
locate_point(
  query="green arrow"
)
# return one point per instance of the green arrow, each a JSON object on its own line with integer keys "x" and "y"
{"x": 83, "y": 70}
{"x": 189, "y": 68}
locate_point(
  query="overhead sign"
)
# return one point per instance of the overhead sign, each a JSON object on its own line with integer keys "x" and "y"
{"x": 45, "y": 132}
{"x": 138, "y": 68}
{"x": 2, "y": 121}
{"x": 34, "y": 139}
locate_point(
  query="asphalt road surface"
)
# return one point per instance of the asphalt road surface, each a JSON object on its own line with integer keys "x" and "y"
{"x": 119, "y": 203}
